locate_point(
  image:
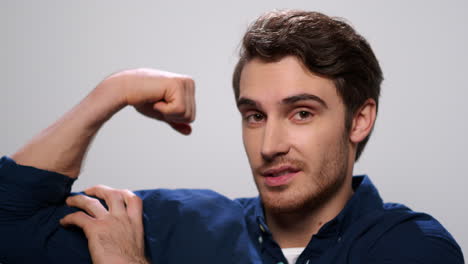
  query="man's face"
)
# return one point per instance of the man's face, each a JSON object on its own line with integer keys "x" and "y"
{"x": 294, "y": 134}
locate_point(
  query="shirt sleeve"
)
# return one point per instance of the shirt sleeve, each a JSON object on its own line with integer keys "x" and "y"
{"x": 181, "y": 226}
{"x": 25, "y": 190}
{"x": 423, "y": 240}
{"x": 31, "y": 205}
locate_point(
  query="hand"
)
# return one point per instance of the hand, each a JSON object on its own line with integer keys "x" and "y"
{"x": 157, "y": 94}
{"x": 165, "y": 96}
{"x": 114, "y": 236}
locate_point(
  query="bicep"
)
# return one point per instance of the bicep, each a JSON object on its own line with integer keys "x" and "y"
{"x": 31, "y": 204}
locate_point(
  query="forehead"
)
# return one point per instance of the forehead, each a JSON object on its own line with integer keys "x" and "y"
{"x": 272, "y": 81}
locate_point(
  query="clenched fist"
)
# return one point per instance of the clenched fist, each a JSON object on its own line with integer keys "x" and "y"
{"x": 157, "y": 94}
{"x": 165, "y": 96}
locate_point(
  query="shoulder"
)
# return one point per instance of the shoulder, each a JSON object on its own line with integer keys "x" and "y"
{"x": 206, "y": 224}
{"x": 247, "y": 203}
{"x": 191, "y": 208}
{"x": 187, "y": 199}
{"x": 412, "y": 237}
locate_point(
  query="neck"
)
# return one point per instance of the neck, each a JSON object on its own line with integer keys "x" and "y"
{"x": 295, "y": 229}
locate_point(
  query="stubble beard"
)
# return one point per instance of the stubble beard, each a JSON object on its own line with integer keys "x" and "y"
{"x": 329, "y": 179}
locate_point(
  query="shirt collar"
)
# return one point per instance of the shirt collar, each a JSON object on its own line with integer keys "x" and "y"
{"x": 365, "y": 199}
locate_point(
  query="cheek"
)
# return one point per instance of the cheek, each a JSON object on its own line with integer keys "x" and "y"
{"x": 314, "y": 140}
{"x": 305, "y": 139}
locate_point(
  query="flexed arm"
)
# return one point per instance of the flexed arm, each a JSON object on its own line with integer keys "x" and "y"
{"x": 157, "y": 94}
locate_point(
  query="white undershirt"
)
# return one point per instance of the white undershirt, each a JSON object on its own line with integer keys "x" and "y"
{"x": 291, "y": 254}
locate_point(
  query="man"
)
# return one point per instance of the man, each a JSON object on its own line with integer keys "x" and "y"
{"x": 307, "y": 87}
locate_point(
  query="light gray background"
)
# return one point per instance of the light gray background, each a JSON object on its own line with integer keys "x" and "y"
{"x": 54, "y": 52}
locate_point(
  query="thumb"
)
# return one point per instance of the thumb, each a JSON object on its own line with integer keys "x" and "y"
{"x": 163, "y": 106}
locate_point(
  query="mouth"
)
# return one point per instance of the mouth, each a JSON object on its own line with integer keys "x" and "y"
{"x": 279, "y": 176}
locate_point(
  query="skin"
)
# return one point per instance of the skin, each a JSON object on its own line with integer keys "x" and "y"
{"x": 294, "y": 118}
{"x": 114, "y": 235}
{"x": 160, "y": 95}
{"x": 278, "y": 129}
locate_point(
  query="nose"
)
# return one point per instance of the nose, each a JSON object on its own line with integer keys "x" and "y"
{"x": 274, "y": 141}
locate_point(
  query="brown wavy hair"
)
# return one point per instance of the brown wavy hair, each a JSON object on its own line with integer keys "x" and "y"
{"x": 327, "y": 46}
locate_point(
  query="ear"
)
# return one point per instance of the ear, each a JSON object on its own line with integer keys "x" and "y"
{"x": 363, "y": 121}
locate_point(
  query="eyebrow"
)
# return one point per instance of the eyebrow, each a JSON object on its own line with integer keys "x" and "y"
{"x": 247, "y": 102}
{"x": 288, "y": 100}
{"x": 304, "y": 97}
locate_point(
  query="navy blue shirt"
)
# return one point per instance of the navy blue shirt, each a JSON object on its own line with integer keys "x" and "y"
{"x": 202, "y": 226}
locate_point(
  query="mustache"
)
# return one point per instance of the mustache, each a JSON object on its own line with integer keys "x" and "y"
{"x": 280, "y": 161}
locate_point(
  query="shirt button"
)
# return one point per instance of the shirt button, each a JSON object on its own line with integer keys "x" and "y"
{"x": 260, "y": 239}
{"x": 339, "y": 239}
{"x": 262, "y": 228}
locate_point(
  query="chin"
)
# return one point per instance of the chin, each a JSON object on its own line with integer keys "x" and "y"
{"x": 296, "y": 199}
{"x": 286, "y": 201}
{"x": 281, "y": 206}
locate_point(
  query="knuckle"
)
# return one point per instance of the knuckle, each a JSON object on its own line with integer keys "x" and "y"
{"x": 70, "y": 199}
{"x": 175, "y": 82}
{"x": 192, "y": 88}
{"x": 185, "y": 83}
{"x": 92, "y": 202}
{"x": 189, "y": 81}
{"x": 78, "y": 215}
{"x": 137, "y": 199}
{"x": 114, "y": 195}
{"x": 104, "y": 188}
{"x": 75, "y": 199}
{"x": 127, "y": 193}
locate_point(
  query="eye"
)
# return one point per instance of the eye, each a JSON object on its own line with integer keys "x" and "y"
{"x": 302, "y": 115}
{"x": 254, "y": 118}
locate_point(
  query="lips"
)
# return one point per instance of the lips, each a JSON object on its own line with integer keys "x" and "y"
{"x": 280, "y": 171}
{"x": 279, "y": 176}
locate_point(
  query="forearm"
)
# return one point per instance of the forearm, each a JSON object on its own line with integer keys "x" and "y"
{"x": 62, "y": 146}
{"x": 157, "y": 94}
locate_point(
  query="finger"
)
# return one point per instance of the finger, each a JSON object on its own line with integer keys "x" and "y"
{"x": 149, "y": 111}
{"x": 194, "y": 108}
{"x": 188, "y": 101}
{"x": 188, "y": 106}
{"x": 112, "y": 197}
{"x": 171, "y": 98}
{"x": 79, "y": 219}
{"x": 185, "y": 129}
{"x": 134, "y": 211}
{"x": 90, "y": 205}
{"x": 174, "y": 106}
{"x": 134, "y": 206}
